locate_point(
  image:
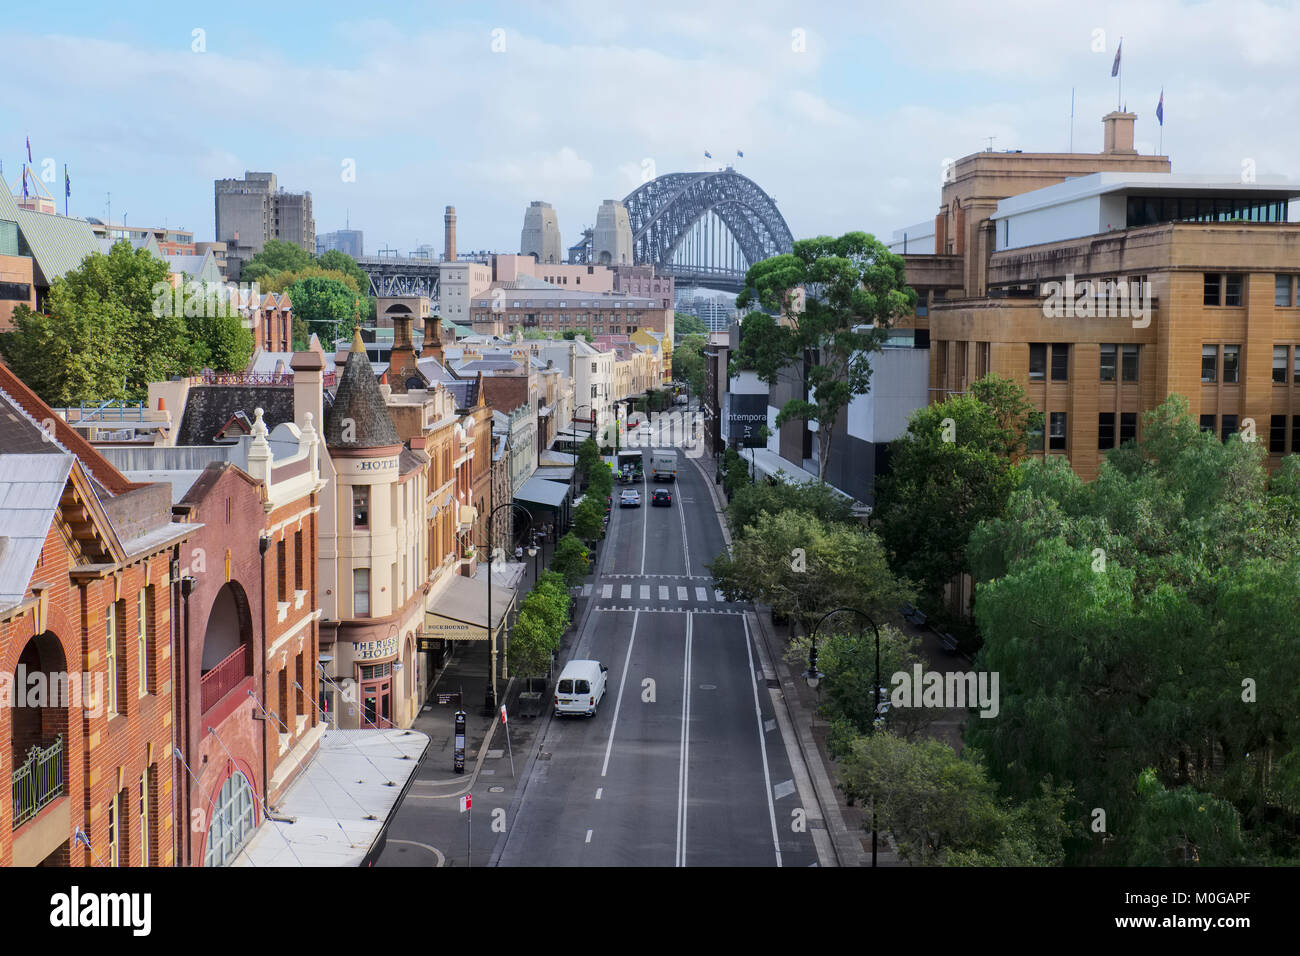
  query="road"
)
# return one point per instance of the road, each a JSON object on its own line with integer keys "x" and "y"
{"x": 684, "y": 764}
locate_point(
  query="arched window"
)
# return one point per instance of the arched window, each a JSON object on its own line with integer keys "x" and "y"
{"x": 233, "y": 821}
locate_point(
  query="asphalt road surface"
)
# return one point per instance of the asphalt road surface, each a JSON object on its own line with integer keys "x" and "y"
{"x": 684, "y": 763}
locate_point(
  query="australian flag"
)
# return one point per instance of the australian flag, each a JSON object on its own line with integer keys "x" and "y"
{"x": 1160, "y": 108}
{"x": 707, "y": 154}
{"x": 29, "y": 149}
{"x": 1114, "y": 67}
{"x": 740, "y": 154}
{"x": 67, "y": 183}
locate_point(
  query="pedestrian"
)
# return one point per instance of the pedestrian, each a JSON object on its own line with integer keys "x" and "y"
{"x": 519, "y": 552}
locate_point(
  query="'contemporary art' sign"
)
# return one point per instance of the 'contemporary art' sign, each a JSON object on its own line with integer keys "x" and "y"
{"x": 746, "y": 416}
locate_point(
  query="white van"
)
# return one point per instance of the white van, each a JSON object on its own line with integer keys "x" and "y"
{"x": 580, "y": 688}
{"x": 663, "y": 465}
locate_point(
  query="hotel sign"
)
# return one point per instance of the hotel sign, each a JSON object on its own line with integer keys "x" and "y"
{"x": 371, "y": 650}
{"x": 378, "y": 464}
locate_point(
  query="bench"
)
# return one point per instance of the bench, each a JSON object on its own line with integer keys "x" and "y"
{"x": 949, "y": 642}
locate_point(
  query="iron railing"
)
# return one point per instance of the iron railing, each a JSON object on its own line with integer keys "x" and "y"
{"x": 38, "y": 781}
{"x": 222, "y": 679}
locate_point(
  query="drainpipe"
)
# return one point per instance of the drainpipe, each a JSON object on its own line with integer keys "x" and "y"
{"x": 264, "y": 542}
{"x": 187, "y": 588}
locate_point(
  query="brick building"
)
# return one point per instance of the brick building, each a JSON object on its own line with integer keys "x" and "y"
{"x": 87, "y": 599}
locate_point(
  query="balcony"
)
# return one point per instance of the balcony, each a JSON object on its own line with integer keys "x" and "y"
{"x": 225, "y": 676}
{"x": 38, "y": 781}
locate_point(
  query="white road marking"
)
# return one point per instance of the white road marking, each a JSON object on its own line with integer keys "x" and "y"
{"x": 762, "y": 744}
{"x": 599, "y": 791}
{"x": 663, "y": 592}
{"x": 769, "y": 725}
{"x": 645, "y": 592}
{"x": 681, "y": 593}
{"x": 588, "y": 840}
{"x": 683, "y": 766}
{"x": 701, "y": 594}
{"x": 618, "y": 702}
{"x": 607, "y": 590}
{"x": 432, "y": 849}
{"x": 719, "y": 595}
{"x": 625, "y": 591}
{"x": 644, "y": 525}
{"x": 586, "y": 590}
{"x": 783, "y": 789}
{"x": 686, "y": 547}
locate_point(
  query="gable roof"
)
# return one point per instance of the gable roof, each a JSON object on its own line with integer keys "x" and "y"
{"x": 209, "y": 408}
{"x": 57, "y": 244}
{"x": 31, "y": 486}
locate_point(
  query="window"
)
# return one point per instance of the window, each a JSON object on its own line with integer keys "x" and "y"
{"x": 360, "y": 506}
{"x": 110, "y": 656}
{"x": 593, "y": 367}
{"x": 144, "y": 817}
{"x": 1209, "y": 363}
{"x": 1282, "y": 291}
{"x": 1209, "y": 423}
{"x": 1232, "y": 289}
{"x": 361, "y": 592}
{"x": 142, "y": 640}
{"x": 1277, "y": 435}
{"x": 1108, "y": 353}
{"x": 1060, "y": 362}
{"x": 113, "y": 832}
{"x": 1211, "y": 289}
{"x": 1106, "y": 430}
{"x": 281, "y": 572}
{"x": 1295, "y": 433}
{"x": 232, "y": 821}
{"x": 297, "y": 561}
{"x": 1037, "y": 362}
{"x": 1229, "y": 426}
{"x": 1128, "y": 426}
{"x": 1279, "y": 364}
{"x": 1231, "y": 363}
{"x": 1056, "y": 436}
{"x": 1130, "y": 360}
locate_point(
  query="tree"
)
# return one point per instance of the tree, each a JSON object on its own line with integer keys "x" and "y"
{"x": 943, "y": 809}
{"x": 221, "y": 341}
{"x": 832, "y": 298}
{"x": 276, "y": 256}
{"x": 571, "y": 560}
{"x": 588, "y": 457}
{"x": 735, "y": 472}
{"x": 951, "y": 470}
{"x": 589, "y": 519}
{"x": 688, "y": 362}
{"x": 339, "y": 261}
{"x": 543, "y": 618}
{"x": 803, "y": 568}
{"x": 1146, "y": 620}
{"x": 328, "y": 307}
{"x": 1184, "y": 826}
{"x": 687, "y": 324}
{"x": 773, "y": 497}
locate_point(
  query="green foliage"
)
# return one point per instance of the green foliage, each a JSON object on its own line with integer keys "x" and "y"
{"x": 571, "y": 559}
{"x": 950, "y": 471}
{"x": 600, "y": 480}
{"x": 589, "y": 518}
{"x": 688, "y": 362}
{"x": 588, "y": 457}
{"x": 114, "y": 324}
{"x": 944, "y": 809}
{"x": 276, "y": 256}
{"x": 338, "y": 261}
{"x": 803, "y": 568}
{"x": 543, "y": 618}
{"x": 773, "y": 497}
{"x": 327, "y": 307}
{"x": 1147, "y": 620}
{"x": 853, "y": 289}
{"x": 1184, "y": 827}
{"x": 735, "y": 472}
{"x": 687, "y": 324}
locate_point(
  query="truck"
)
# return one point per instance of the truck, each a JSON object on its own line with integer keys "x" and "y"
{"x": 663, "y": 465}
{"x": 628, "y": 466}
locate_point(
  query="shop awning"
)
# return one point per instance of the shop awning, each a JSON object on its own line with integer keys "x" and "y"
{"x": 458, "y": 611}
{"x": 539, "y": 491}
{"x": 555, "y": 472}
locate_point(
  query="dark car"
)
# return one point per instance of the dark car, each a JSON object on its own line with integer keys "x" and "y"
{"x": 662, "y": 496}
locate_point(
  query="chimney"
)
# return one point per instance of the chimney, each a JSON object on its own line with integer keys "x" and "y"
{"x": 308, "y": 394}
{"x": 1119, "y": 132}
{"x": 432, "y": 347}
{"x": 402, "y": 356}
{"x": 449, "y": 220}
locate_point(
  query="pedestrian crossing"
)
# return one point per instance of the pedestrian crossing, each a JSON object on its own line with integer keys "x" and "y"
{"x": 656, "y": 593}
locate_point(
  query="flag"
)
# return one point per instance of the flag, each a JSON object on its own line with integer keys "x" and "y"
{"x": 29, "y": 149}
{"x": 24, "y": 182}
{"x": 67, "y": 183}
{"x": 1160, "y": 108}
{"x": 740, "y": 154}
{"x": 707, "y": 154}
{"x": 1114, "y": 67}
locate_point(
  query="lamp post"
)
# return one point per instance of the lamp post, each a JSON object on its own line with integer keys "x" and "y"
{"x": 490, "y": 692}
{"x": 591, "y": 424}
{"x": 814, "y": 676}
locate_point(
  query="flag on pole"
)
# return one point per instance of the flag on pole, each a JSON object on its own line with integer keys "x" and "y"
{"x": 740, "y": 154}
{"x": 1114, "y": 67}
{"x": 707, "y": 154}
{"x": 1160, "y": 108}
{"x": 67, "y": 183}
{"x": 24, "y": 182}
{"x": 29, "y": 149}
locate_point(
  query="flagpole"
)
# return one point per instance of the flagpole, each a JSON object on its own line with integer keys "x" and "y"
{"x": 1119, "y": 95}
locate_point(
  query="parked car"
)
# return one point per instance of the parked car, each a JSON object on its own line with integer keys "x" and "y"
{"x": 662, "y": 496}
{"x": 630, "y": 498}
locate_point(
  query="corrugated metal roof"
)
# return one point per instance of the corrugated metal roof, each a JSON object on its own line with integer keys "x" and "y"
{"x": 56, "y": 244}
{"x": 30, "y": 489}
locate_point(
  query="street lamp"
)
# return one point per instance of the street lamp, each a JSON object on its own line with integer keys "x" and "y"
{"x": 814, "y": 676}
{"x": 591, "y": 425}
{"x": 489, "y": 692}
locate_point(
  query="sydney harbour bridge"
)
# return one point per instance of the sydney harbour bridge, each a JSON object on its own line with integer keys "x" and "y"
{"x": 701, "y": 228}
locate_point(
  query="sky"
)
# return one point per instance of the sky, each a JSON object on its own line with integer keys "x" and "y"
{"x": 846, "y": 111}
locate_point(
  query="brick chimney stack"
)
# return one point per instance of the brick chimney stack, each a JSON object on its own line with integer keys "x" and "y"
{"x": 449, "y": 220}
{"x": 1119, "y": 132}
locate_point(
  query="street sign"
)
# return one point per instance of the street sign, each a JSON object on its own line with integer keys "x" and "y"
{"x": 503, "y": 714}
{"x": 466, "y": 803}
